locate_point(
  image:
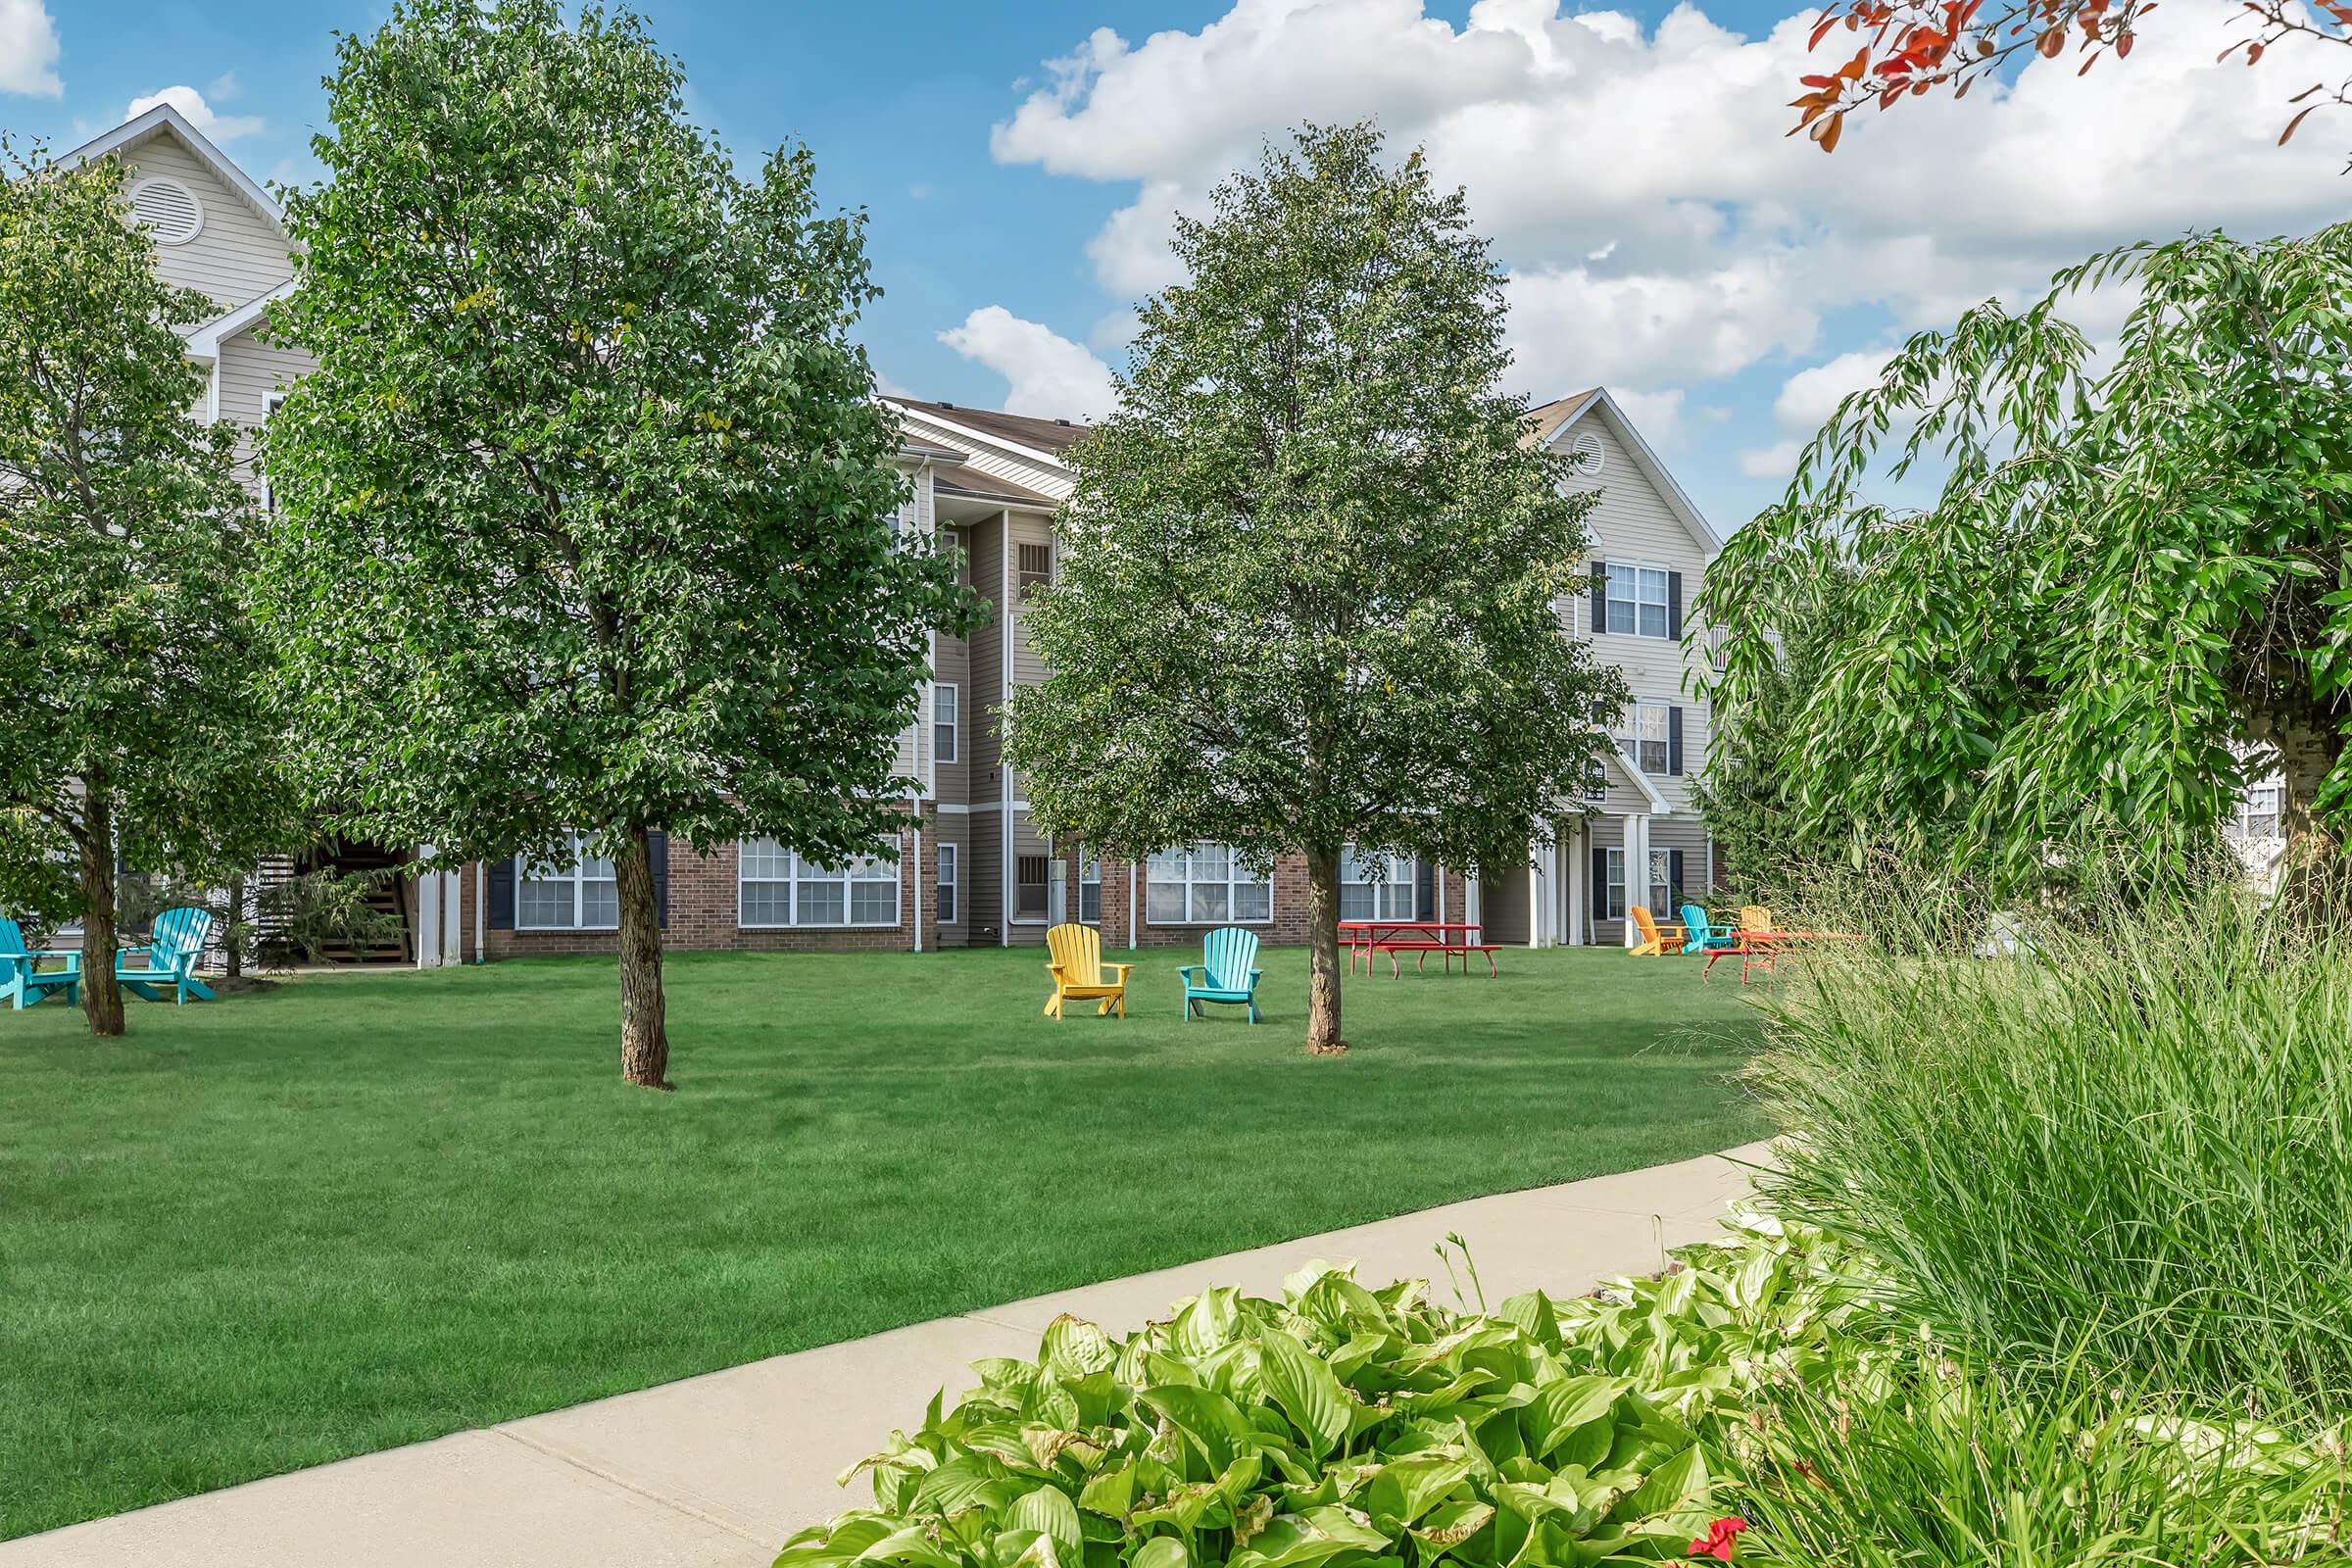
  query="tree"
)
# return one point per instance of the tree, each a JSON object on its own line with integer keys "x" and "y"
{"x": 587, "y": 515}
{"x": 2131, "y": 591}
{"x": 137, "y": 733}
{"x": 1308, "y": 595}
{"x": 1911, "y": 48}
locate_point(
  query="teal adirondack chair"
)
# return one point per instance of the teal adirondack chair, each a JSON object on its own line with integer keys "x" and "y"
{"x": 1224, "y": 973}
{"x": 22, "y": 979}
{"x": 169, "y": 957}
{"x": 1704, "y": 937}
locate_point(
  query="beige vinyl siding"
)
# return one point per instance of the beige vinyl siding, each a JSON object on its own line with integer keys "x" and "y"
{"x": 238, "y": 257}
{"x": 953, "y": 828}
{"x": 252, "y": 373}
{"x": 1631, "y": 524}
{"x": 951, "y": 666}
{"x": 984, "y": 876}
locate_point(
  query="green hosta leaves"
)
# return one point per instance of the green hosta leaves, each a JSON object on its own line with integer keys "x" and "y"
{"x": 1358, "y": 1427}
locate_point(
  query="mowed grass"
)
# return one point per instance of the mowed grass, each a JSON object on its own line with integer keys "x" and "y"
{"x": 369, "y": 1208}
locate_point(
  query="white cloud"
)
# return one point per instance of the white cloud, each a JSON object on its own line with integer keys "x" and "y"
{"x": 1658, "y": 416}
{"x": 1775, "y": 462}
{"x": 190, "y": 103}
{"x": 1804, "y": 405}
{"x": 1660, "y": 228}
{"x": 1049, "y": 375}
{"x": 29, "y": 49}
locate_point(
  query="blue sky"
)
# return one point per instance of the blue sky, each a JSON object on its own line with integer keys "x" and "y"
{"x": 1019, "y": 162}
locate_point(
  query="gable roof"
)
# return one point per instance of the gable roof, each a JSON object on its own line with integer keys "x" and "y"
{"x": 1634, "y": 778}
{"x": 981, "y": 486}
{"x": 1045, "y": 438}
{"x": 164, "y": 119}
{"x": 1551, "y": 424}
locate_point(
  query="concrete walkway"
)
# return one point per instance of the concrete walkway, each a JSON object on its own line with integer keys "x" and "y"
{"x": 716, "y": 1471}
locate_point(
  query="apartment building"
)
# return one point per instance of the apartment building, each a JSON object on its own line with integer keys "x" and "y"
{"x": 972, "y": 867}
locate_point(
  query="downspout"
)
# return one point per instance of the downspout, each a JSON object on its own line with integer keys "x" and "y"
{"x": 1131, "y": 905}
{"x": 918, "y": 876}
{"x": 481, "y": 902}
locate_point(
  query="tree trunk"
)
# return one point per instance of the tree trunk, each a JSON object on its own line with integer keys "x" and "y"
{"x": 101, "y": 997}
{"x": 232, "y": 939}
{"x": 644, "y": 1034}
{"x": 1323, "y": 1038}
{"x": 2311, "y": 877}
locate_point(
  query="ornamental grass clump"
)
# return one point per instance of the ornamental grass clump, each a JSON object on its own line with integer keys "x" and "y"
{"x": 2122, "y": 1138}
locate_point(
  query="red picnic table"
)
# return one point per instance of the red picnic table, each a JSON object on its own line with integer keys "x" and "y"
{"x": 1365, "y": 938}
{"x": 1757, "y": 950}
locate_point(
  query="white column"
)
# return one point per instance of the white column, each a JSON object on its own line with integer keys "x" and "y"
{"x": 1636, "y": 872}
{"x": 453, "y": 911}
{"x": 1580, "y": 897}
{"x": 428, "y": 915}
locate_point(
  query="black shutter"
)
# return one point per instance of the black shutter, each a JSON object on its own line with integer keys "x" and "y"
{"x": 500, "y": 885}
{"x": 1601, "y": 884}
{"x": 1673, "y": 878}
{"x": 657, "y": 850}
{"x": 1425, "y": 891}
{"x": 1674, "y": 606}
{"x": 1600, "y": 596}
{"x": 1674, "y": 742}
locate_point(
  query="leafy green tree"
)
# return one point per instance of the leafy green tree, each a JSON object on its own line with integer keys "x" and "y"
{"x": 587, "y": 515}
{"x": 2132, "y": 588}
{"x": 1309, "y": 592}
{"x": 135, "y": 733}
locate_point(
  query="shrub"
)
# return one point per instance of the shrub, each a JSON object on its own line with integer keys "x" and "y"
{"x": 2133, "y": 1142}
{"x": 1339, "y": 1425}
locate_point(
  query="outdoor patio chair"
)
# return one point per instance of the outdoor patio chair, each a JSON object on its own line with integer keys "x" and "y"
{"x": 169, "y": 957}
{"x": 1656, "y": 939}
{"x": 22, "y": 981}
{"x": 1077, "y": 970}
{"x": 1224, "y": 972}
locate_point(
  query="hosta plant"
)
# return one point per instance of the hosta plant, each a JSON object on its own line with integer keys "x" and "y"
{"x": 1341, "y": 1426}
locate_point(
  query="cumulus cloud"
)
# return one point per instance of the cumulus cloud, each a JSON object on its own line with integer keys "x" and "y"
{"x": 190, "y": 103}
{"x": 1048, "y": 375}
{"x": 1659, "y": 229}
{"x": 29, "y": 49}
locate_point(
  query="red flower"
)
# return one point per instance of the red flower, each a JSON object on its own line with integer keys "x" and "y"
{"x": 1720, "y": 1538}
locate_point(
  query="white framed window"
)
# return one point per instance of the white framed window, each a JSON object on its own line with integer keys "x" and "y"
{"x": 1205, "y": 884}
{"x": 573, "y": 892}
{"x": 1637, "y": 601}
{"x": 775, "y": 887}
{"x": 2259, "y": 811}
{"x": 1647, "y": 737}
{"x": 1661, "y": 884}
{"x": 1377, "y": 886}
{"x": 1613, "y": 892}
{"x": 1032, "y": 878}
{"x": 945, "y": 706}
{"x": 947, "y": 884}
{"x": 1089, "y": 887}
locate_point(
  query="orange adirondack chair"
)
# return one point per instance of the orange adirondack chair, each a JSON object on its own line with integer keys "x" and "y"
{"x": 1657, "y": 940}
{"x": 1077, "y": 970}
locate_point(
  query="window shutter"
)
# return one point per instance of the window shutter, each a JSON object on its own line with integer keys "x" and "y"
{"x": 500, "y": 884}
{"x": 1674, "y": 606}
{"x": 657, "y": 850}
{"x": 1674, "y": 877}
{"x": 1601, "y": 884}
{"x": 1425, "y": 891}
{"x": 1600, "y": 596}
{"x": 1674, "y": 742}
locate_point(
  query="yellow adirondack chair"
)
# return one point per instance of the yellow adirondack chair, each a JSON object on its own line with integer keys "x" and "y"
{"x": 1657, "y": 940}
{"x": 1077, "y": 970}
{"x": 1754, "y": 918}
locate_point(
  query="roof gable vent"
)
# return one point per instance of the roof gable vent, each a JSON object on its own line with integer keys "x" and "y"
{"x": 167, "y": 210}
{"x": 1584, "y": 455}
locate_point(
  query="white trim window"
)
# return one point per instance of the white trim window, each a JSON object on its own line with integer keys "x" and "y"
{"x": 1637, "y": 601}
{"x": 946, "y": 705}
{"x": 774, "y": 886}
{"x": 1613, "y": 900}
{"x": 1647, "y": 737}
{"x": 1377, "y": 886}
{"x": 1205, "y": 884}
{"x": 2258, "y": 813}
{"x": 1661, "y": 884}
{"x": 577, "y": 892}
{"x": 945, "y": 890}
{"x": 1089, "y": 887}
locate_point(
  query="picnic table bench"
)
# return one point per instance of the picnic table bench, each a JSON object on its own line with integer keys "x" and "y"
{"x": 1365, "y": 938}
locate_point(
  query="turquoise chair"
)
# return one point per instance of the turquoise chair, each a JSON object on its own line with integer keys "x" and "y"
{"x": 1223, "y": 972}
{"x": 21, "y": 981}
{"x": 169, "y": 957}
{"x": 1704, "y": 938}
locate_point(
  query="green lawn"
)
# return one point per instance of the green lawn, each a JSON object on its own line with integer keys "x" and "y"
{"x": 364, "y": 1209}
